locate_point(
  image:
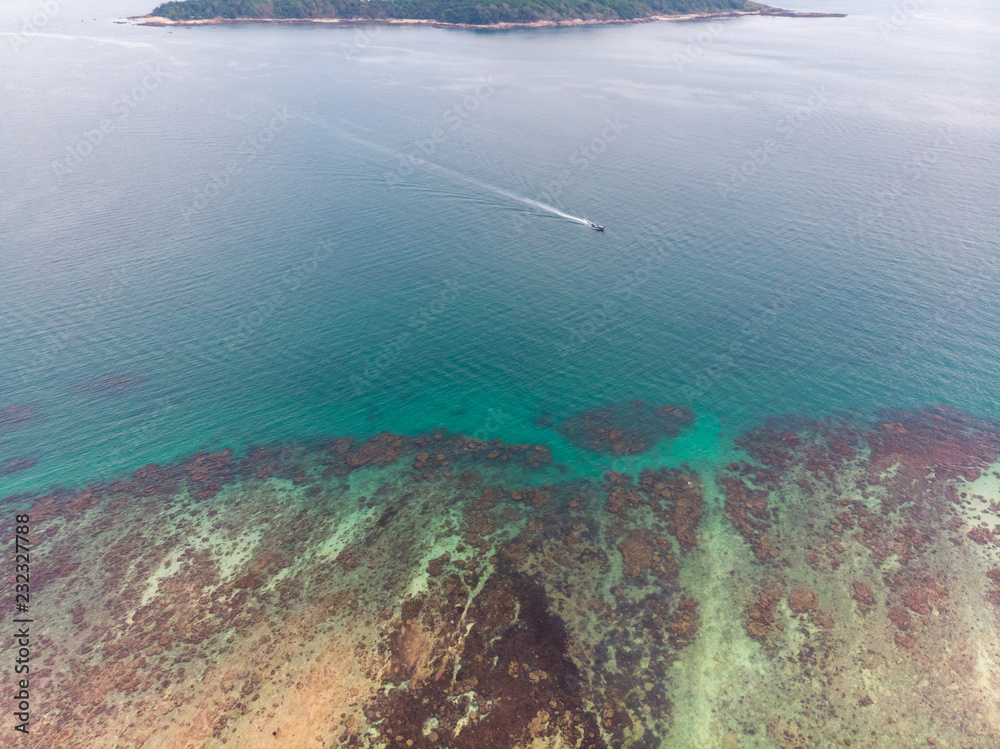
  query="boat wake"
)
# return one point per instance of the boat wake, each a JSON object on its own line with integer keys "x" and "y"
{"x": 535, "y": 203}
{"x": 472, "y": 180}
{"x": 508, "y": 194}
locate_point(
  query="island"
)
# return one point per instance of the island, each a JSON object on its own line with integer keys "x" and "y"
{"x": 474, "y": 14}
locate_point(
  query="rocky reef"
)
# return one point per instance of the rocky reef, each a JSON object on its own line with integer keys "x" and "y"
{"x": 17, "y": 464}
{"x": 18, "y": 415}
{"x": 830, "y": 583}
{"x": 624, "y": 428}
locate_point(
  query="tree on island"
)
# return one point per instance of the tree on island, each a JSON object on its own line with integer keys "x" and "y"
{"x": 476, "y": 12}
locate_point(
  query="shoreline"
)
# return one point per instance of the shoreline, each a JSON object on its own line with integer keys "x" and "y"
{"x": 161, "y": 21}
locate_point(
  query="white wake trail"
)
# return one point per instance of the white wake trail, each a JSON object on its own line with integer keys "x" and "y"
{"x": 529, "y": 201}
{"x": 492, "y": 188}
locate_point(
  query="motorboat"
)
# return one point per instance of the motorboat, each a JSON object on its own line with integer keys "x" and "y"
{"x": 595, "y": 227}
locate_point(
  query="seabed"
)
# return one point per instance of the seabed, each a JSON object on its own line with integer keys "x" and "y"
{"x": 830, "y": 584}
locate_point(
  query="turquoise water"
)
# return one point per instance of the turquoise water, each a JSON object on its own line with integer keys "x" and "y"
{"x": 285, "y": 232}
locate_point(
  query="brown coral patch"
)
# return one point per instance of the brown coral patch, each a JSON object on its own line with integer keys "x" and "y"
{"x": 679, "y": 496}
{"x": 684, "y": 622}
{"x": 208, "y": 472}
{"x": 821, "y": 446}
{"x": 864, "y": 596}
{"x": 900, "y": 617}
{"x": 747, "y": 510}
{"x": 759, "y": 618}
{"x": 951, "y": 442}
{"x": 625, "y": 428}
{"x": 617, "y": 478}
{"x": 637, "y": 552}
{"x": 380, "y": 450}
{"x": 286, "y": 461}
{"x": 514, "y": 683}
{"x": 111, "y": 384}
{"x": 18, "y": 415}
{"x": 983, "y": 536}
{"x": 823, "y": 619}
{"x": 156, "y": 479}
{"x": 801, "y": 600}
{"x": 921, "y": 593}
{"x": 436, "y": 566}
{"x": 540, "y": 497}
{"x": 764, "y": 548}
{"x": 488, "y": 499}
{"x": 771, "y": 444}
{"x": 643, "y": 551}
{"x": 620, "y": 500}
{"x": 17, "y": 464}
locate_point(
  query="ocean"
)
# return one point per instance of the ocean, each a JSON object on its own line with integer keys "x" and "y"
{"x": 232, "y": 236}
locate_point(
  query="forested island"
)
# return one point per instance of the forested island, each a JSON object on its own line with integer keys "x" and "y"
{"x": 451, "y": 12}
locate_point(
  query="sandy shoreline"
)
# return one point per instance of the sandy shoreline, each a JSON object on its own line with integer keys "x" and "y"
{"x": 161, "y": 21}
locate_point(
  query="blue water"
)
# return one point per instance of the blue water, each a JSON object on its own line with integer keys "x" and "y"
{"x": 295, "y": 231}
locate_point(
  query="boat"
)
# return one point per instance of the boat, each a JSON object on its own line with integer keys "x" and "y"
{"x": 595, "y": 227}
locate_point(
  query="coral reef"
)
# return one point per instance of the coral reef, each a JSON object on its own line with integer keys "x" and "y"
{"x": 507, "y": 682}
{"x": 17, "y": 464}
{"x": 748, "y": 511}
{"x": 949, "y": 442}
{"x": 759, "y": 618}
{"x": 442, "y": 591}
{"x": 871, "y": 524}
{"x": 624, "y": 428}
{"x": 864, "y": 596}
{"x": 801, "y": 600}
{"x": 678, "y": 495}
{"x": 18, "y": 415}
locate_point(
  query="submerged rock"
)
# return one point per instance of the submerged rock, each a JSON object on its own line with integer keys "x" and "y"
{"x": 18, "y": 415}
{"x": 111, "y": 384}
{"x": 17, "y": 464}
{"x": 625, "y": 428}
